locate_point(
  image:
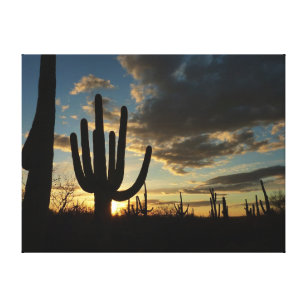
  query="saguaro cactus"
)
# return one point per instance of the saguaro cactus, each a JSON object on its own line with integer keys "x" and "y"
{"x": 257, "y": 206}
{"x": 128, "y": 211}
{"x": 261, "y": 205}
{"x": 105, "y": 186}
{"x": 225, "y": 209}
{"x": 179, "y": 208}
{"x": 144, "y": 209}
{"x": 213, "y": 203}
{"x": 136, "y": 211}
{"x": 267, "y": 203}
{"x": 246, "y": 208}
{"x": 37, "y": 152}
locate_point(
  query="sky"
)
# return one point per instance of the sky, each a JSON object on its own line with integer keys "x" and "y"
{"x": 212, "y": 121}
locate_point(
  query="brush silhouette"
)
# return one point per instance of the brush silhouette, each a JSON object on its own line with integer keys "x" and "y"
{"x": 37, "y": 152}
{"x": 97, "y": 180}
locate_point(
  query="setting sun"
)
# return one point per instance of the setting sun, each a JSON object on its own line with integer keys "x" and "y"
{"x": 117, "y": 207}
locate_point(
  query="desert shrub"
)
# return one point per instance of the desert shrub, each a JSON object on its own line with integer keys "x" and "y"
{"x": 278, "y": 200}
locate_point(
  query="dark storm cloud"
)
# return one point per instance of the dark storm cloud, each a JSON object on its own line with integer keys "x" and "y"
{"x": 195, "y": 96}
{"x": 250, "y": 176}
{"x": 199, "y": 94}
{"x": 201, "y": 151}
{"x": 241, "y": 182}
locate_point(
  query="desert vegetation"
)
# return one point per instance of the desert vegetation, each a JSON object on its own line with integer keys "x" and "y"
{"x": 71, "y": 226}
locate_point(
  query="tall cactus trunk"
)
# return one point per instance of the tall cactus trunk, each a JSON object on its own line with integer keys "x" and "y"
{"x": 37, "y": 152}
{"x": 103, "y": 208}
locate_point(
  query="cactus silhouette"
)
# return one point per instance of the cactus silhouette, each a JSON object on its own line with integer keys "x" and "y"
{"x": 257, "y": 206}
{"x": 179, "y": 208}
{"x": 37, "y": 152}
{"x": 246, "y": 208}
{"x": 105, "y": 186}
{"x": 261, "y": 205}
{"x": 225, "y": 209}
{"x": 267, "y": 203}
{"x": 128, "y": 211}
{"x": 144, "y": 209}
{"x": 213, "y": 203}
{"x": 136, "y": 211}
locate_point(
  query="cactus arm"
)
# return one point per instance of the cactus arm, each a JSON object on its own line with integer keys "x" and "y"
{"x": 121, "y": 146}
{"x": 186, "y": 211}
{"x": 99, "y": 142}
{"x": 267, "y": 203}
{"x": 139, "y": 204}
{"x": 111, "y": 169}
{"x": 150, "y": 210}
{"x": 123, "y": 195}
{"x": 77, "y": 165}
{"x": 86, "y": 156}
{"x": 261, "y": 205}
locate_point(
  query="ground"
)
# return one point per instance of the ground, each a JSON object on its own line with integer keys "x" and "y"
{"x": 81, "y": 233}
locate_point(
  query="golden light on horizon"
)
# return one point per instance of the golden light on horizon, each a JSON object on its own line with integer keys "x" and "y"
{"x": 117, "y": 207}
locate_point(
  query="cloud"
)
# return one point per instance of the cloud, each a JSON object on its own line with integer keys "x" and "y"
{"x": 90, "y": 83}
{"x": 207, "y": 150}
{"x": 241, "y": 182}
{"x": 205, "y": 107}
{"x": 112, "y": 115}
{"x": 62, "y": 116}
{"x": 249, "y": 176}
{"x": 139, "y": 92}
{"x": 74, "y": 116}
{"x": 277, "y": 127}
{"x": 61, "y": 142}
{"x": 65, "y": 107}
{"x": 58, "y": 102}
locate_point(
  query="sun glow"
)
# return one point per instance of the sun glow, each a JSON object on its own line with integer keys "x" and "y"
{"x": 117, "y": 207}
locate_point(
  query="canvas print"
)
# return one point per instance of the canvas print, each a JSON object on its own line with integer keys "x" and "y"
{"x": 153, "y": 153}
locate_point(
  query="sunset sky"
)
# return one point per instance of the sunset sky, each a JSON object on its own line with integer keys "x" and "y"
{"x": 212, "y": 121}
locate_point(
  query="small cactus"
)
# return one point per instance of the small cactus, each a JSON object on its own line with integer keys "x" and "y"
{"x": 128, "y": 211}
{"x": 144, "y": 209}
{"x": 213, "y": 203}
{"x": 225, "y": 209}
{"x": 179, "y": 208}
{"x": 257, "y": 206}
{"x": 247, "y": 212}
{"x": 261, "y": 205}
{"x": 267, "y": 203}
{"x": 136, "y": 211}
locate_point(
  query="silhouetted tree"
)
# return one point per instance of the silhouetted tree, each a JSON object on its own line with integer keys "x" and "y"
{"x": 62, "y": 193}
{"x": 105, "y": 187}
{"x": 37, "y": 152}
